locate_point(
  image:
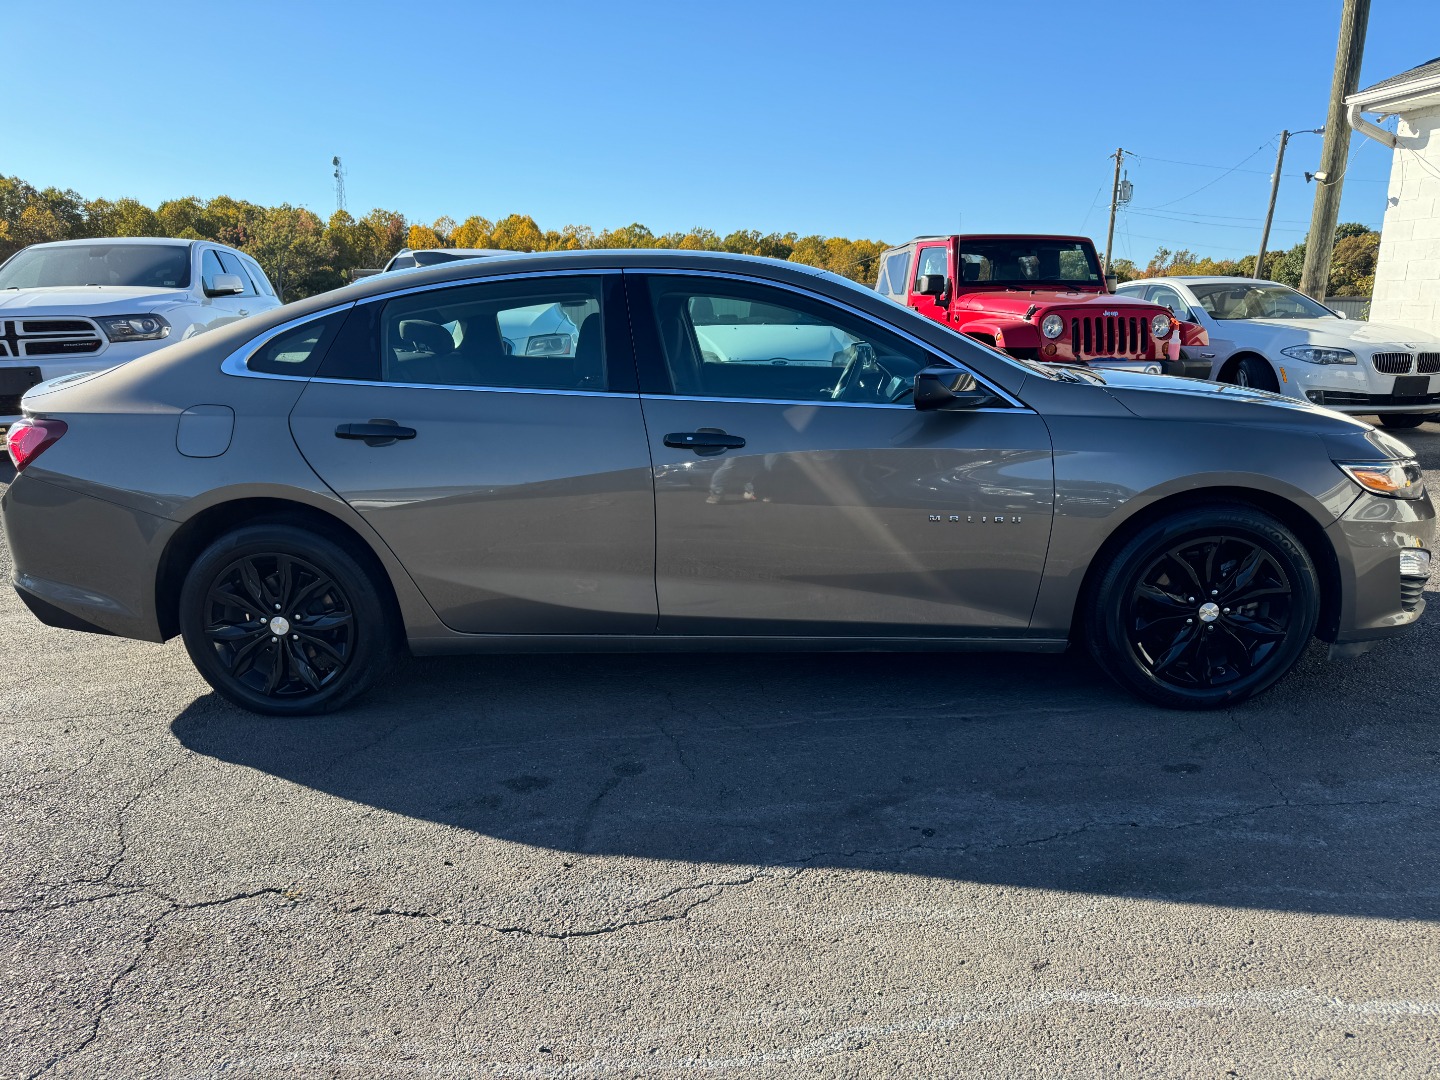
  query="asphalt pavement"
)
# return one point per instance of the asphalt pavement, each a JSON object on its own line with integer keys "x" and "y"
{"x": 717, "y": 865}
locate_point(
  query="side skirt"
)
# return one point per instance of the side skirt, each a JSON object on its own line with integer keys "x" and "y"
{"x": 463, "y": 644}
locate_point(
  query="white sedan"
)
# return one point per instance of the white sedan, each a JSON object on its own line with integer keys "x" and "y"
{"x": 1271, "y": 337}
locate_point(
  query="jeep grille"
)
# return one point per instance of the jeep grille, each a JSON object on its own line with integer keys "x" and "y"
{"x": 1109, "y": 335}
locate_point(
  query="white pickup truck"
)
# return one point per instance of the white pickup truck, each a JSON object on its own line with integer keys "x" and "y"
{"x": 85, "y": 305}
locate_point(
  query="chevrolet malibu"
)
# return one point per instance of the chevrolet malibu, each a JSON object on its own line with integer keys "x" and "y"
{"x": 308, "y": 493}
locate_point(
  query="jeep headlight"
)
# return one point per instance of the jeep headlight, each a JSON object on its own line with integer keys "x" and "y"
{"x": 1319, "y": 354}
{"x": 1161, "y": 325}
{"x": 1052, "y": 326}
{"x": 133, "y": 327}
{"x": 1393, "y": 479}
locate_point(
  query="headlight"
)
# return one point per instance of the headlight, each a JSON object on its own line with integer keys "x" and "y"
{"x": 1393, "y": 479}
{"x": 1052, "y": 326}
{"x": 1318, "y": 354}
{"x": 548, "y": 345}
{"x": 1161, "y": 325}
{"x": 133, "y": 327}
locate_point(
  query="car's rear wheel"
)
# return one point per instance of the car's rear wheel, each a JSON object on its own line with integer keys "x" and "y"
{"x": 1256, "y": 373}
{"x": 283, "y": 621}
{"x": 1205, "y": 608}
{"x": 1401, "y": 421}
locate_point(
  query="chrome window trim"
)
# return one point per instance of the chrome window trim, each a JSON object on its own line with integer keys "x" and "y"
{"x": 238, "y": 362}
{"x": 486, "y": 389}
{"x": 862, "y": 315}
{"x": 826, "y": 404}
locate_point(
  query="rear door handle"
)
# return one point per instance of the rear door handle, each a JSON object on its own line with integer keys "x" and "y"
{"x": 704, "y": 441}
{"x": 375, "y": 433}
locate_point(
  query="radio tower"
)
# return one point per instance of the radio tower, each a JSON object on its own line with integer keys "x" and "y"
{"x": 339, "y": 183}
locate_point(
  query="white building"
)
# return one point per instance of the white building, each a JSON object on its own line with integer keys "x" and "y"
{"x": 1407, "y": 276}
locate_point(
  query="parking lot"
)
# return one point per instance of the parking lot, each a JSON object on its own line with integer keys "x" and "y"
{"x": 748, "y": 865}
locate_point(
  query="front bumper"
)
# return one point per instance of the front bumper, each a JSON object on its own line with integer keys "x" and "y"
{"x": 1376, "y": 600}
{"x": 1358, "y": 388}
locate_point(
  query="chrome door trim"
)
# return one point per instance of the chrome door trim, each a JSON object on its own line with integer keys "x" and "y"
{"x": 865, "y": 316}
{"x": 237, "y": 363}
{"x": 827, "y": 404}
{"x": 486, "y": 389}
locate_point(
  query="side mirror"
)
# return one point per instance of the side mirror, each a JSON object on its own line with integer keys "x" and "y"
{"x": 949, "y": 388}
{"x": 1342, "y": 314}
{"x": 224, "y": 285}
{"x": 932, "y": 285}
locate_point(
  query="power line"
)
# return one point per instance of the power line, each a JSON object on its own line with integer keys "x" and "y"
{"x": 1222, "y": 176}
{"x": 1252, "y": 172}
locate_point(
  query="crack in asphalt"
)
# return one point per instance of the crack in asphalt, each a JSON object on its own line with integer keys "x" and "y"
{"x": 674, "y": 741}
{"x": 147, "y": 940}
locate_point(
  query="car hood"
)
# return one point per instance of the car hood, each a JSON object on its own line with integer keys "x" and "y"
{"x": 88, "y": 300}
{"x": 1343, "y": 333}
{"x": 1164, "y": 397}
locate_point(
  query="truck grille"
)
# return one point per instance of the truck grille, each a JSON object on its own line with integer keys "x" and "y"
{"x": 49, "y": 337}
{"x": 1429, "y": 363}
{"x": 1109, "y": 335}
{"x": 1392, "y": 363}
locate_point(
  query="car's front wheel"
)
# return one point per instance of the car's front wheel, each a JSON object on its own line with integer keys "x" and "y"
{"x": 1256, "y": 373}
{"x": 1205, "y": 608}
{"x": 1401, "y": 421}
{"x": 283, "y": 621}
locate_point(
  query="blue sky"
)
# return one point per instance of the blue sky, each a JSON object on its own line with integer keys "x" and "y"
{"x": 878, "y": 120}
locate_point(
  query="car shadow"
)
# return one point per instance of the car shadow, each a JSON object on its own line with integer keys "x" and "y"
{"x": 1032, "y": 772}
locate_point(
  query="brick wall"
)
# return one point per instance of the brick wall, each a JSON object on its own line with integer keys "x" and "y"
{"x": 1407, "y": 277}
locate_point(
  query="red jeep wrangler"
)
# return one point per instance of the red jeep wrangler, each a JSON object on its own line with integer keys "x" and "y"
{"x": 1038, "y": 298}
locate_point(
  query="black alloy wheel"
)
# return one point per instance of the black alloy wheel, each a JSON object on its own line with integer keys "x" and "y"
{"x": 283, "y": 621}
{"x": 1401, "y": 421}
{"x": 1206, "y": 608}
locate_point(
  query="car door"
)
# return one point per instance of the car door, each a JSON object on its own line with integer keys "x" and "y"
{"x": 1222, "y": 340}
{"x": 516, "y": 489}
{"x": 798, "y": 493}
{"x": 933, "y": 260}
{"x": 247, "y": 303}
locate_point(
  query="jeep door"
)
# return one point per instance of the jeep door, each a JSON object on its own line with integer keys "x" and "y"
{"x": 796, "y": 498}
{"x": 516, "y": 487}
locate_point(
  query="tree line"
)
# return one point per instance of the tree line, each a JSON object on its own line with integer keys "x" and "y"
{"x": 304, "y": 255}
{"x": 1352, "y": 263}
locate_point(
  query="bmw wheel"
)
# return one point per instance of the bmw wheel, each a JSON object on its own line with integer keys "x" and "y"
{"x": 1256, "y": 373}
{"x": 284, "y": 621}
{"x": 1205, "y": 608}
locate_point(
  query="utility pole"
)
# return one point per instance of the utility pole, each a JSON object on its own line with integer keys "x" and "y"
{"x": 1274, "y": 190}
{"x": 1114, "y": 204}
{"x": 1330, "y": 176}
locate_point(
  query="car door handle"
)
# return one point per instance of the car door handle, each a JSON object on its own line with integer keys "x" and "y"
{"x": 704, "y": 441}
{"x": 243, "y": 312}
{"x": 375, "y": 433}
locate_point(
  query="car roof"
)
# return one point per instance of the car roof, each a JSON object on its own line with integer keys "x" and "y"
{"x": 1205, "y": 279}
{"x": 136, "y": 240}
{"x": 461, "y": 252}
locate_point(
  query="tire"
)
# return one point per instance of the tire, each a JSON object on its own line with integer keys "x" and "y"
{"x": 1401, "y": 421}
{"x": 344, "y": 641}
{"x": 1256, "y": 373}
{"x": 1146, "y": 632}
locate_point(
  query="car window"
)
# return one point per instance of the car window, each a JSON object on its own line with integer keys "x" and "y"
{"x": 1242, "y": 300}
{"x": 262, "y": 283}
{"x": 231, "y": 262}
{"x": 48, "y": 266}
{"x": 210, "y": 268}
{"x": 1137, "y": 291}
{"x": 893, "y": 273}
{"x": 299, "y": 350}
{"x": 541, "y": 334}
{"x": 932, "y": 261}
{"x": 731, "y": 339}
{"x": 1165, "y": 295}
{"x": 401, "y": 262}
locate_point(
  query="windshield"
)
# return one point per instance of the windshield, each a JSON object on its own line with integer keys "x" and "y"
{"x": 1025, "y": 264}
{"x": 1243, "y": 300}
{"x": 155, "y": 266}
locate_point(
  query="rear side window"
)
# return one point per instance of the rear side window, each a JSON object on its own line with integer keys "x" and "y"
{"x": 299, "y": 350}
{"x": 893, "y": 273}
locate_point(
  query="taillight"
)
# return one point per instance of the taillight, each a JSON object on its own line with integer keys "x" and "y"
{"x": 28, "y": 439}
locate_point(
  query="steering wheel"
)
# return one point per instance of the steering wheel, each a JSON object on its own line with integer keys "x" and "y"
{"x": 862, "y": 359}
